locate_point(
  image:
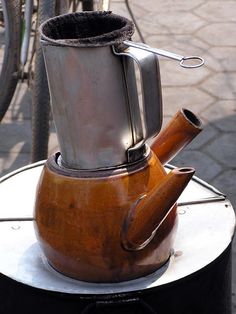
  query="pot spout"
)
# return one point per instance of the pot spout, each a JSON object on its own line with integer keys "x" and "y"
{"x": 150, "y": 210}
{"x": 178, "y": 133}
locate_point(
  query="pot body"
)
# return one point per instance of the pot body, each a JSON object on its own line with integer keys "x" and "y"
{"x": 79, "y": 217}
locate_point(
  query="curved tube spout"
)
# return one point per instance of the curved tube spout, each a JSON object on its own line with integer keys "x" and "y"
{"x": 178, "y": 133}
{"x": 150, "y": 211}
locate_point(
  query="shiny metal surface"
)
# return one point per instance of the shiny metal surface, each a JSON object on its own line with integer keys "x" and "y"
{"x": 147, "y": 118}
{"x": 89, "y": 103}
{"x": 93, "y": 90}
{"x": 201, "y": 238}
{"x": 92, "y": 105}
{"x": 95, "y": 103}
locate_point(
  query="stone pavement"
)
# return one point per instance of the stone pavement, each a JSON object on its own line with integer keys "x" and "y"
{"x": 205, "y": 28}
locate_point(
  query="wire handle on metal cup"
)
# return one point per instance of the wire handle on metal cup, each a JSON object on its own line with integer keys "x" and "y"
{"x": 183, "y": 60}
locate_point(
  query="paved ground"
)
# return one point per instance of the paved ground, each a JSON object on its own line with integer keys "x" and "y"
{"x": 205, "y": 28}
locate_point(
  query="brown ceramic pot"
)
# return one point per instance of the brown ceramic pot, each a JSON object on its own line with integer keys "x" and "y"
{"x": 90, "y": 224}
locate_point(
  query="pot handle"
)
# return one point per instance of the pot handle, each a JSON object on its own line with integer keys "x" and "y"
{"x": 149, "y": 120}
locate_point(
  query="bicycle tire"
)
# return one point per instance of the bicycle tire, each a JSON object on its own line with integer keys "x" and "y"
{"x": 40, "y": 94}
{"x": 11, "y": 58}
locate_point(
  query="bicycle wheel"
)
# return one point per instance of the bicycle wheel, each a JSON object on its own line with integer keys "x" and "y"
{"x": 10, "y": 45}
{"x": 40, "y": 93}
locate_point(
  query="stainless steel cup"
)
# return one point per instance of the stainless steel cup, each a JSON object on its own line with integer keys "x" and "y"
{"x": 99, "y": 120}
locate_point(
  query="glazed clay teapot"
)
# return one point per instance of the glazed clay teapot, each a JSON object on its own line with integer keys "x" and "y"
{"x": 105, "y": 209}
